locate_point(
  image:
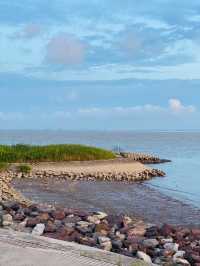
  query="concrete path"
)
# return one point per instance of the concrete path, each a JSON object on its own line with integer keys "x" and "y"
{"x": 20, "y": 249}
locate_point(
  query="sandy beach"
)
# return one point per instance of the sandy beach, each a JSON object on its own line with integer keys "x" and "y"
{"x": 117, "y": 166}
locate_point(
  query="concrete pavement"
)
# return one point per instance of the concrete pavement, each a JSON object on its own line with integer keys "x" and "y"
{"x": 20, "y": 249}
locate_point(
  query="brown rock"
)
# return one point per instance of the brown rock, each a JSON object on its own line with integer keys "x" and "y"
{"x": 139, "y": 230}
{"x": 50, "y": 227}
{"x": 44, "y": 217}
{"x": 32, "y": 222}
{"x": 167, "y": 230}
{"x": 58, "y": 215}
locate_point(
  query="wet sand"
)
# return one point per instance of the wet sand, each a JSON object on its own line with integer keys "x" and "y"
{"x": 133, "y": 199}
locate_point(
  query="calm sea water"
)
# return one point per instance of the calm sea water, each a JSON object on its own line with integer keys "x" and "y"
{"x": 183, "y": 148}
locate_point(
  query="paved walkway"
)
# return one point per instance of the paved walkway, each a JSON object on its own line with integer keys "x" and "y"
{"x": 20, "y": 249}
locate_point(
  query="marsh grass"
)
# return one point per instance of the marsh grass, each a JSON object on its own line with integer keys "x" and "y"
{"x": 52, "y": 153}
{"x": 24, "y": 168}
{"x": 3, "y": 166}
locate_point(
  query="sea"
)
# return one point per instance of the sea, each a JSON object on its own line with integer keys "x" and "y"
{"x": 182, "y": 181}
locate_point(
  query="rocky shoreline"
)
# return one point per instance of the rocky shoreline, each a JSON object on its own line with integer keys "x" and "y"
{"x": 147, "y": 174}
{"x": 165, "y": 245}
{"x": 143, "y": 158}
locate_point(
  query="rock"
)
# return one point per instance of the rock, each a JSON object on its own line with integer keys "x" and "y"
{"x": 1, "y": 220}
{"x": 19, "y": 216}
{"x": 120, "y": 236}
{"x": 166, "y": 230}
{"x": 166, "y": 240}
{"x": 103, "y": 239}
{"x": 117, "y": 244}
{"x": 34, "y": 214}
{"x": 102, "y": 228}
{"x": 101, "y": 215}
{"x": 32, "y": 222}
{"x": 84, "y": 229}
{"x": 58, "y": 215}
{"x": 171, "y": 247}
{"x": 38, "y": 230}
{"x": 179, "y": 254}
{"x": 143, "y": 256}
{"x": 88, "y": 241}
{"x": 150, "y": 243}
{"x": 72, "y": 219}
{"x": 22, "y": 227}
{"x": 83, "y": 224}
{"x": 151, "y": 232}
{"x": 7, "y": 219}
{"x": 181, "y": 261}
{"x": 11, "y": 205}
{"x": 50, "y": 227}
{"x": 93, "y": 219}
{"x": 126, "y": 221}
{"x": 44, "y": 217}
{"x": 139, "y": 230}
{"x": 105, "y": 243}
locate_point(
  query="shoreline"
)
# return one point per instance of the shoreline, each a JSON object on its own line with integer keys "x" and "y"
{"x": 162, "y": 244}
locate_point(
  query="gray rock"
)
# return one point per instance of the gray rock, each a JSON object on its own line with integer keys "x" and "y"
{"x": 143, "y": 256}
{"x": 150, "y": 243}
{"x": 171, "y": 246}
{"x": 166, "y": 240}
{"x": 38, "y": 230}
{"x": 179, "y": 254}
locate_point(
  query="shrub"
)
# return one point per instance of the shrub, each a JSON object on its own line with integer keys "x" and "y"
{"x": 24, "y": 168}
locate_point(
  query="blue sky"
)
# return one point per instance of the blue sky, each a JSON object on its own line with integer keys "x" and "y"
{"x": 100, "y": 64}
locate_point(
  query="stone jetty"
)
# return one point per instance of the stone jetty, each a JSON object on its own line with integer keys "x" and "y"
{"x": 142, "y": 157}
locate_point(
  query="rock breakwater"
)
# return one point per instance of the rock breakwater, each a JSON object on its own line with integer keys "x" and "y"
{"x": 164, "y": 245}
{"x": 143, "y": 158}
{"x": 93, "y": 176}
{"x": 7, "y": 192}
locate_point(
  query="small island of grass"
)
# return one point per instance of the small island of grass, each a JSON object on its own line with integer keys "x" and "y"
{"x": 52, "y": 153}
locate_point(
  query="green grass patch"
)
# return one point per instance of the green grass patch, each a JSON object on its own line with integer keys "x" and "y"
{"x": 52, "y": 153}
{"x": 3, "y": 166}
{"x": 24, "y": 168}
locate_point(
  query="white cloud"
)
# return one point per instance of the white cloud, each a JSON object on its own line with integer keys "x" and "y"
{"x": 176, "y": 106}
{"x": 65, "y": 49}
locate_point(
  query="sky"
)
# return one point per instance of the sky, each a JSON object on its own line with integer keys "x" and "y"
{"x": 100, "y": 64}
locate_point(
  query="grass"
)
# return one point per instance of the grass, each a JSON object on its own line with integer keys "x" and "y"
{"x": 52, "y": 153}
{"x": 3, "y": 166}
{"x": 24, "y": 168}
